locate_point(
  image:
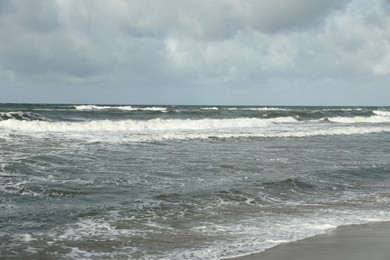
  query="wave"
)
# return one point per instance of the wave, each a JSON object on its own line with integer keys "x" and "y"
{"x": 361, "y": 119}
{"x": 341, "y": 109}
{"x": 90, "y": 107}
{"x": 246, "y": 108}
{"x": 124, "y": 108}
{"x": 143, "y": 125}
{"x": 209, "y": 108}
{"x": 162, "y": 109}
{"x": 23, "y": 116}
{"x": 382, "y": 113}
{"x": 264, "y": 109}
{"x": 184, "y": 129}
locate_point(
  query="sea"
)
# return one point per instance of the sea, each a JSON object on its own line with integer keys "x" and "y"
{"x": 185, "y": 182}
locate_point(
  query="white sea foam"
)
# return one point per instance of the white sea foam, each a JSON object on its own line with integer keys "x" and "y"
{"x": 162, "y": 109}
{"x": 360, "y": 119}
{"x": 184, "y": 129}
{"x": 342, "y": 109}
{"x": 382, "y": 113}
{"x": 265, "y": 109}
{"x": 257, "y": 109}
{"x": 249, "y": 235}
{"x": 259, "y": 234}
{"x": 25, "y": 237}
{"x": 124, "y": 108}
{"x": 209, "y": 108}
{"x": 77, "y": 253}
{"x": 141, "y": 125}
{"x": 20, "y": 115}
{"x": 91, "y": 107}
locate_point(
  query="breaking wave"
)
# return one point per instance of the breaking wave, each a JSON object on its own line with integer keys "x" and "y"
{"x": 143, "y": 125}
{"x": 124, "y": 108}
{"x": 22, "y": 116}
{"x": 382, "y": 113}
{"x": 185, "y": 129}
{"x": 209, "y": 108}
{"x": 265, "y": 109}
{"x": 379, "y": 117}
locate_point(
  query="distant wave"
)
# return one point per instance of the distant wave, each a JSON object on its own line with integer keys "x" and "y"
{"x": 256, "y": 109}
{"x": 162, "y": 109}
{"x": 341, "y": 109}
{"x": 379, "y": 117}
{"x": 265, "y": 109}
{"x": 19, "y": 115}
{"x": 90, "y": 107}
{"x": 124, "y": 108}
{"x": 209, "y": 108}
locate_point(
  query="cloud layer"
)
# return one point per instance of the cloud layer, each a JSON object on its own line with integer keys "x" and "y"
{"x": 215, "y": 51}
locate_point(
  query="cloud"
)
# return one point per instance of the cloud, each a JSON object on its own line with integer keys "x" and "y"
{"x": 248, "y": 54}
{"x": 276, "y": 16}
{"x": 175, "y": 44}
{"x": 354, "y": 42}
{"x": 35, "y": 42}
{"x": 207, "y": 20}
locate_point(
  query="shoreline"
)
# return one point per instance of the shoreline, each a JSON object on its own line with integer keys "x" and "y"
{"x": 347, "y": 242}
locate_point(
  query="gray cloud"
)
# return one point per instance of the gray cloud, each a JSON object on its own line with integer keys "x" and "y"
{"x": 193, "y": 47}
{"x": 35, "y": 42}
{"x": 275, "y": 16}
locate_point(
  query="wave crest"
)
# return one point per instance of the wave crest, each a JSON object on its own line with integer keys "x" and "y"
{"x": 123, "y": 108}
{"x": 361, "y": 119}
{"x": 22, "y": 116}
{"x": 184, "y": 129}
{"x": 382, "y": 113}
{"x": 144, "y": 125}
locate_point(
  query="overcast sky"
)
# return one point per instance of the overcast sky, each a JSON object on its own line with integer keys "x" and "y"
{"x": 255, "y": 52}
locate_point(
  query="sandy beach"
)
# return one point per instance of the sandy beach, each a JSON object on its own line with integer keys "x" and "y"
{"x": 354, "y": 242}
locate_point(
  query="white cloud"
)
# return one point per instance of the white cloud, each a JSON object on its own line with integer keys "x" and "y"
{"x": 359, "y": 38}
{"x": 248, "y": 53}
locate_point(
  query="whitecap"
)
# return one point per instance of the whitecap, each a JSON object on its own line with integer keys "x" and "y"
{"x": 209, "y": 108}
{"x": 360, "y": 119}
{"x": 382, "y": 113}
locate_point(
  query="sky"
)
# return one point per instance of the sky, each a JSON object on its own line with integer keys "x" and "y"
{"x": 222, "y": 52}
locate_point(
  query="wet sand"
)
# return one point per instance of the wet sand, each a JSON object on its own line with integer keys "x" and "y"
{"x": 354, "y": 242}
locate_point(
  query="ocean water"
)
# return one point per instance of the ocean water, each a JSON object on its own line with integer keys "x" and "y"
{"x": 185, "y": 182}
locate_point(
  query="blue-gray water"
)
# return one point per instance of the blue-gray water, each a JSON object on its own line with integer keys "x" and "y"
{"x": 185, "y": 182}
